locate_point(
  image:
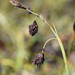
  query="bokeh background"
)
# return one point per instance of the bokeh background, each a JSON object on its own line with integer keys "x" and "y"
{"x": 18, "y": 47}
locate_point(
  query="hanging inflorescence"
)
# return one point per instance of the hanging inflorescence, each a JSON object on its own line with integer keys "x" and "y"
{"x": 33, "y": 28}
{"x": 38, "y": 59}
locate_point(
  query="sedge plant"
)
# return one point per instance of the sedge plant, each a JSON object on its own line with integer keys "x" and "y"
{"x": 53, "y": 29}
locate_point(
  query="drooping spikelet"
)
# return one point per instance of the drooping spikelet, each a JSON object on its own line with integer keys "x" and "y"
{"x": 38, "y": 59}
{"x": 33, "y": 28}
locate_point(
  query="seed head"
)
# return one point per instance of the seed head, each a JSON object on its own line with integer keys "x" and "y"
{"x": 38, "y": 59}
{"x": 33, "y": 28}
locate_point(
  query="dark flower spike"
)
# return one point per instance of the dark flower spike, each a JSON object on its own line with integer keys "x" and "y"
{"x": 74, "y": 26}
{"x": 33, "y": 28}
{"x": 17, "y": 4}
{"x": 38, "y": 59}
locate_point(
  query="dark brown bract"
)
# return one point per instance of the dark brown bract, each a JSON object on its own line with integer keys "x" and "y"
{"x": 74, "y": 26}
{"x": 17, "y": 4}
{"x": 33, "y": 28}
{"x": 38, "y": 59}
{"x": 30, "y": 10}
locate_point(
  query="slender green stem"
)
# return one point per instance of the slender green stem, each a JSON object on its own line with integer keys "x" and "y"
{"x": 63, "y": 52}
{"x": 67, "y": 69}
{"x": 61, "y": 46}
{"x": 54, "y": 28}
{"x": 70, "y": 47}
{"x": 48, "y": 41}
{"x": 71, "y": 44}
{"x": 62, "y": 71}
{"x": 33, "y": 12}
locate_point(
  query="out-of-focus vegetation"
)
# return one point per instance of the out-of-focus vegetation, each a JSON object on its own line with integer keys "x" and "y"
{"x": 18, "y": 47}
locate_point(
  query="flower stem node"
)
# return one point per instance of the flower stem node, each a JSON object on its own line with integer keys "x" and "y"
{"x": 33, "y": 28}
{"x": 30, "y": 10}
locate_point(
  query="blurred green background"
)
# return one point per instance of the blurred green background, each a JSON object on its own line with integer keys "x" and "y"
{"x": 18, "y": 47}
